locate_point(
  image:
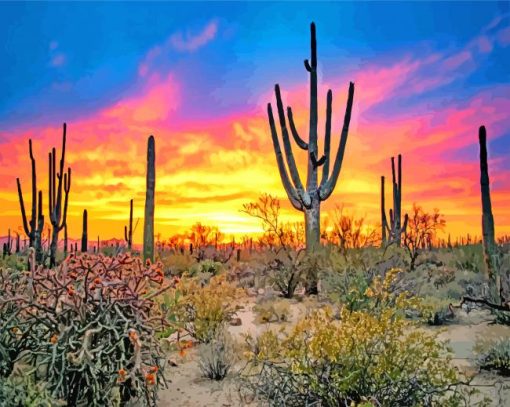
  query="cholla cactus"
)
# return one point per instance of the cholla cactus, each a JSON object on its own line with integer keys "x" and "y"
{"x": 88, "y": 327}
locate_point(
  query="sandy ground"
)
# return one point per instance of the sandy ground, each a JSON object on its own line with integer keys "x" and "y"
{"x": 189, "y": 389}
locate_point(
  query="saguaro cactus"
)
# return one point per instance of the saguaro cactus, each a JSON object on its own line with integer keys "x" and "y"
{"x": 34, "y": 228}
{"x": 395, "y": 229}
{"x": 57, "y": 218}
{"x": 489, "y": 241}
{"x": 84, "y": 233}
{"x": 128, "y": 230}
{"x": 65, "y": 240}
{"x": 148, "y": 227}
{"x": 308, "y": 199}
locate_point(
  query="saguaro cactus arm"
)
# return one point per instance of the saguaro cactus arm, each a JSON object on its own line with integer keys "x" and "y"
{"x": 291, "y": 163}
{"x": 299, "y": 141}
{"x": 34, "y": 186}
{"x": 282, "y": 169}
{"x": 22, "y": 206}
{"x": 67, "y": 188}
{"x": 327, "y": 137}
{"x": 328, "y": 186}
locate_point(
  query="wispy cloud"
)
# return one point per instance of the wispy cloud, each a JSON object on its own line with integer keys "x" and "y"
{"x": 179, "y": 41}
{"x": 192, "y": 41}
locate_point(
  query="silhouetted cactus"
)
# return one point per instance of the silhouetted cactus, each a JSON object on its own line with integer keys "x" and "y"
{"x": 18, "y": 243}
{"x": 65, "y": 241}
{"x": 34, "y": 228}
{"x": 308, "y": 199}
{"x": 128, "y": 230}
{"x": 7, "y": 246}
{"x": 84, "y": 234}
{"x": 489, "y": 241}
{"x": 58, "y": 214}
{"x": 395, "y": 229}
{"x": 148, "y": 229}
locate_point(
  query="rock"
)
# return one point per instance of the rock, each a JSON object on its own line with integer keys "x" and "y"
{"x": 261, "y": 291}
{"x": 236, "y": 322}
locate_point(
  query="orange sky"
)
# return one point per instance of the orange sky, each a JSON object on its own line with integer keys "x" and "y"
{"x": 206, "y": 169}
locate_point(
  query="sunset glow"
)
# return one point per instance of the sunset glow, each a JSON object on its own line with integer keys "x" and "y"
{"x": 199, "y": 82}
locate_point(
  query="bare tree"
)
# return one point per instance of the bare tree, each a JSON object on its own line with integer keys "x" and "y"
{"x": 422, "y": 228}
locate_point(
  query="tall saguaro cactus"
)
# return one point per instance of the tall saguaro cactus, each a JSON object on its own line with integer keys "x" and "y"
{"x": 308, "y": 199}
{"x": 128, "y": 230}
{"x": 58, "y": 214}
{"x": 84, "y": 233}
{"x": 489, "y": 241}
{"x": 148, "y": 227}
{"x": 34, "y": 228}
{"x": 395, "y": 229}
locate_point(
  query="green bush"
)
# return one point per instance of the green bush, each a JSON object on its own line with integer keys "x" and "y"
{"x": 23, "y": 392}
{"x": 496, "y": 357}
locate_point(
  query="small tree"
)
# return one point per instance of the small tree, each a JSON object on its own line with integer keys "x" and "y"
{"x": 350, "y": 232}
{"x": 421, "y": 231}
{"x": 288, "y": 273}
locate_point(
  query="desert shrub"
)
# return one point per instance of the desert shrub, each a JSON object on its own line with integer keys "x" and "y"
{"x": 502, "y": 318}
{"x": 436, "y": 311}
{"x": 177, "y": 264}
{"x": 206, "y": 266}
{"x": 202, "y": 310}
{"x": 370, "y": 355}
{"x": 347, "y": 287}
{"x": 468, "y": 258}
{"x": 217, "y": 357}
{"x": 14, "y": 261}
{"x": 284, "y": 272}
{"x": 24, "y": 392}
{"x": 95, "y": 321}
{"x": 272, "y": 311}
{"x": 496, "y": 356}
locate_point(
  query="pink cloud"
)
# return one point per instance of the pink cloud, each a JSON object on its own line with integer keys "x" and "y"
{"x": 156, "y": 102}
{"x": 58, "y": 60}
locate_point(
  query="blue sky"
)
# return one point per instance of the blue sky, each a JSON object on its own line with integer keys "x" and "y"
{"x": 70, "y": 58}
{"x": 198, "y": 75}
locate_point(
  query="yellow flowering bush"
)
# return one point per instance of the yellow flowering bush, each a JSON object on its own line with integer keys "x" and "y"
{"x": 202, "y": 309}
{"x": 369, "y": 356}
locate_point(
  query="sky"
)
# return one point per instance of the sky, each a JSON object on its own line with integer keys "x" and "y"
{"x": 198, "y": 76}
